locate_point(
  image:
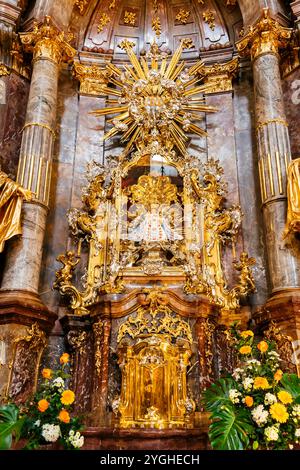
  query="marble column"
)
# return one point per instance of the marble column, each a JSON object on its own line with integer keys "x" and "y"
{"x": 9, "y": 15}
{"x": 49, "y": 48}
{"x": 262, "y": 42}
{"x": 295, "y": 6}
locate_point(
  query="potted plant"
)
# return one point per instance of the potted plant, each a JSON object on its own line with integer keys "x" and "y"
{"x": 47, "y": 419}
{"x": 258, "y": 407}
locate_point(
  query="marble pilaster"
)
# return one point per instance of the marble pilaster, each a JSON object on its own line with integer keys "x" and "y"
{"x": 262, "y": 42}
{"x": 9, "y": 15}
{"x": 295, "y": 6}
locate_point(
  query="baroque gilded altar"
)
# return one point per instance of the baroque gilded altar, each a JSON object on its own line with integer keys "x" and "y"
{"x": 154, "y": 221}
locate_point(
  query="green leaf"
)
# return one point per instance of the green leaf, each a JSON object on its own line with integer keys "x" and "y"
{"x": 230, "y": 429}
{"x": 255, "y": 445}
{"x": 291, "y": 384}
{"x": 217, "y": 394}
{"x": 10, "y": 424}
{"x": 5, "y": 442}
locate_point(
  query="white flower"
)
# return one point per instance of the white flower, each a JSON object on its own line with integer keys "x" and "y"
{"x": 272, "y": 433}
{"x": 259, "y": 415}
{"x": 270, "y": 398}
{"x": 247, "y": 383}
{"x": 76, "y": 439}
{"x": 297, "y": 432}
{"x": 296, "y": 411}
{"x": 252, "y": 362}
{"x": 234, "y": 395}
{"x": 58, "y": 382}
{"x": 50, "y": 432}
{"x": 37, "y": 422}
{"x": 273, "y": 354}
{"x": 237, "y": 373}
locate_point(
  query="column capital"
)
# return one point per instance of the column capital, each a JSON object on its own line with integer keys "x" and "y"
{"x": 264, "y": 37}
{"x": 46, "y": 41}
{"x": 93, "y": 79}
{"x": 295, "y": 6}
{"x": 219, "y": 76}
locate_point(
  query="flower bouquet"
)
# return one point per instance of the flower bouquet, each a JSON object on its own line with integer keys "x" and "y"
{"x": 258, "y": 407}
{"x": 47, "y": 417}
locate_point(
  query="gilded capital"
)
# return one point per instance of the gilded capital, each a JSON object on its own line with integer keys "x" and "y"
{"x": 219, "y": 76}
{"x": 265, "y": 37}
{"x": 93, "y": 79}
{"x": 47, "y": 42}
{"x": 4, "y": 70}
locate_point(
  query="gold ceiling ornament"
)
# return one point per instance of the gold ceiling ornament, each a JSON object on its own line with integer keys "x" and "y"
{"x": 183, "y": 16}
{"x": 153, "y": 190}
{"x": 81, "y": 5}
{"x": 156, "y": 23}
{"x": 103, "y": 21}
{"x": 48, "y": 42}
{"x": 4, "y": 70}
{"x": 209, "y": 18}
{"x": 155, "y": 99}
{"x": 265, "y": 37}
{"x": 220, "y": 76}
{"x": 92, "y": 78}
{"x": 130, "y": 18}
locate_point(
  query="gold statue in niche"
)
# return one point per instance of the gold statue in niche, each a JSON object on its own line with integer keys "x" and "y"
{"x": 11, "y": 198}
{"x": 293, "y": 193}
{"x": 154, "y": 349}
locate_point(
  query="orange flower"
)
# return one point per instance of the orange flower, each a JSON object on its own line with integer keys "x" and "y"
{"x": 261, "y": 382}
{"x": 67, "y": 397}
{"x": 278, "y": 375}
{"x": 47, "y": 373}
{"x": 43, "y": 405}
{"x": 64, "y": 416}
{"x": 247, "y": 333}
{"x": 64, "y": 358}
{"x": 285, "y": 397}
{"x": 263, "y": 346}
{"x": 248, "y": 401}
{"x": 245, "y": 350}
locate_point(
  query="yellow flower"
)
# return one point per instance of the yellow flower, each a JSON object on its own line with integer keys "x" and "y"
{"x": 278, "y": 375}
{"x": 247, "y": 333}
{"x": 248, "y": 401}
{"x": 64, "y": 416}
{"x": 245, "y": 350}
{"x": 279, "y": 413}
{"x": 263, "y": 346}
{"x": 67, "y": 397}
{"x": 261, "y": 382}
{"x": 285, "y": 397}
{"x": 64, "y": 358}
{"x": 43, "y": 405}
{"x": 47, "y": 373}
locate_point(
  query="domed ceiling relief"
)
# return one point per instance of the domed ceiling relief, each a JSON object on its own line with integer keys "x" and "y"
{"x": 210, "y": 24}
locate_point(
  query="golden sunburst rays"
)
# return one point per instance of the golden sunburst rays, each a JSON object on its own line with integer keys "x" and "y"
{"x": 155, "y": 99}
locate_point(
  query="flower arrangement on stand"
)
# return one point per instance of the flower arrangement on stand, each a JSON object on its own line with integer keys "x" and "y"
{"x": 47, "y": 418}
{"x": 258, "y": 407}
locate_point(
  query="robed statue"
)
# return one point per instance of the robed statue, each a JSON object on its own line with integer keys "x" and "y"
{"x": 293, "y": 193}
{"x": 11, "y": 198}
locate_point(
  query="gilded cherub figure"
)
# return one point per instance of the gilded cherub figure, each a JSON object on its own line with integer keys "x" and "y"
{"x": 246, "y": 284}
{"x": 65, "y": 274}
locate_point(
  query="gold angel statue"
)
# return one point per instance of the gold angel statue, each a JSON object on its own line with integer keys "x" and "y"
{"x": 293, "y": 193}
{"x": 11, "y": 198}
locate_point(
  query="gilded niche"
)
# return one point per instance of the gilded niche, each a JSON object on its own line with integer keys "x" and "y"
{"x": 154, "y": 350}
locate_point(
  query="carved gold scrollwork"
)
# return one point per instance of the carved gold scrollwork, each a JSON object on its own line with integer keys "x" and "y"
{"x": 28, "y": 348}
{"x": 98, "y": 334}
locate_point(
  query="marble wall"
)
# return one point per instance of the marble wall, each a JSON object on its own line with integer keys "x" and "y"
{"x": 12, "y": 118}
